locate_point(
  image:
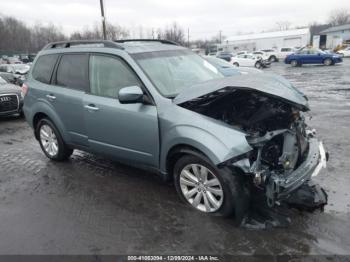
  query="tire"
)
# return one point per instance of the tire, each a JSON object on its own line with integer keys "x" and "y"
{"x": 258, "y": 65}
{"x": 328, "y": 62}
{"x": 235, "y": 200}
{"x": 294, "y": 63}
{"x": 236, "y": 64}
{"x": 48, "y": 136}
{"x": 273, "y": 58}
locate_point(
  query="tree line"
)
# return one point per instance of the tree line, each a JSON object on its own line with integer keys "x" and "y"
{"x": 15, "y": 36}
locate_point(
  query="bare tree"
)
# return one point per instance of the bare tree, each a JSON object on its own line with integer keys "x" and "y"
{"x": 112, "y": 31}
{"x": 283, "y": 25}
{"x": 339, "y": 17}
{"x": 173, "y": 33}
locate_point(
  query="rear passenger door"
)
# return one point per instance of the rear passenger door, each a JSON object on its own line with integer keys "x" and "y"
{"x": 70, "y": 82}
{"x": 128, "y": 132}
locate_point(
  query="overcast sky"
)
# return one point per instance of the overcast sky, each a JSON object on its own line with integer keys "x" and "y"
{"x": 204, "y": 18}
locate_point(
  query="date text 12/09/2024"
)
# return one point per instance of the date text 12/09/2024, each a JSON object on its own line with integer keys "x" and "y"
{"x": 174, "y": 258}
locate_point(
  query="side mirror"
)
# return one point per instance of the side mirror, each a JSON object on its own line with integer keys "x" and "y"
{"x": 130, "y": 95}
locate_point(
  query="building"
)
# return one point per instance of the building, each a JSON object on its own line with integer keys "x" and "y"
{"x": 252, "y": 42}
{"x": 333, "y": 36}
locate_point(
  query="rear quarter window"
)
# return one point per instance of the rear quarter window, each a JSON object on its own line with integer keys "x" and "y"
{"x": 43, "y": 68}
{"x": 72, "y": 72}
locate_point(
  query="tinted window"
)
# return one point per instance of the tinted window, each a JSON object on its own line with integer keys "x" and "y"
{"x": 109, "y": 74}
{"x": 43, "y": 68}
{"x": 286, "y": 49}
{"x": 72, "y": 71}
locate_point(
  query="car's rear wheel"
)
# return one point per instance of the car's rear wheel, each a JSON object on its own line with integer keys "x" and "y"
{"x": 294, "y": 63}
{"x": 328, "y": 62}
{"x": 209, "y": 189}
{"x": 258, "y": 65}
{"x": 273, "y": 58}
{"x": 51, "y": 141}
{"x": 235, "y": 64}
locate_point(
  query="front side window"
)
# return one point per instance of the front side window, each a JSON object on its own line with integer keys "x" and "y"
{"x": 109, "y": 74}
{"x": 43, "y": 68}
{"x": 174, "y": 70}
{"x": 72, "y": 71}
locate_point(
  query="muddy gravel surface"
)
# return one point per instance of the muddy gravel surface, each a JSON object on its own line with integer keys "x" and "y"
{"x": 91, "y": 205}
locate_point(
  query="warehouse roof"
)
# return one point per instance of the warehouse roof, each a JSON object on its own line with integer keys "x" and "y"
{"x": 286, "y": 33}
{"x": 336, "y": 29}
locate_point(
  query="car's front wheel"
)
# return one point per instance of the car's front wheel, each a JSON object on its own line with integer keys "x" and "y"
{"x": 327, "y": 62}
{"x": 51, "y": 141}
{"x": 209, "y": 189}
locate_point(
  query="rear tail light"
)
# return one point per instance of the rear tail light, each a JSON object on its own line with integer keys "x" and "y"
{"x": 24, "y": 90}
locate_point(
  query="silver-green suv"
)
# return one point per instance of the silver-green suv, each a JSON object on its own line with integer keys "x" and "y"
{"x": 158, "y": 106}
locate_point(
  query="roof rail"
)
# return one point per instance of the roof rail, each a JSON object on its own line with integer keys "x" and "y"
{"x": 147, "y": 40}
{"x": 71, "y": 43}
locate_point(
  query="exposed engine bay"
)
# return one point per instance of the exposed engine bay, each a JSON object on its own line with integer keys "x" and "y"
{"x": 276, "y": 130}
{"x": 276, "y": 127}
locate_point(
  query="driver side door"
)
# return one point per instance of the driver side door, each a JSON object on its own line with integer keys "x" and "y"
{"x": 127, "y": 132}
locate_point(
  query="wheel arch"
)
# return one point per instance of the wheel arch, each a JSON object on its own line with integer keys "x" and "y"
{"x": 41, "y": 111}
{"x": 178, "y": 151}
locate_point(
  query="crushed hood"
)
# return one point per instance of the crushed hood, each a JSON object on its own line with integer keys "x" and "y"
{"x": 266, "y": 83}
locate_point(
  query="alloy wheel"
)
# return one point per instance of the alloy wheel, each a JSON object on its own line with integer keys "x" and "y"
{"x": 49, "y": 140}
{"x": 201, "y": 188}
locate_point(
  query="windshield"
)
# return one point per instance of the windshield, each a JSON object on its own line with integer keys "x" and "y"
{"x": 172, "y": 71}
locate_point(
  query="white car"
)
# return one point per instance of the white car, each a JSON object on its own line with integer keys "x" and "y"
{"x": 261, "y": 54}
{"x": 284, "y": 52}
{"x": 247, "y": 60}
{"x": 345, "y": 52}
{"x": 272, "y": 54}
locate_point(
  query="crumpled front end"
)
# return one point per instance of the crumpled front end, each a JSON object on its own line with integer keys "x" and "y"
{"x": 285, "y": 161}
{"x": 286, "y": 153}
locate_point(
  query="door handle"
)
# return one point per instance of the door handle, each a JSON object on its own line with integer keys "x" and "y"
{"x": 51, "y": 97}
{"x": 91, "y": 107}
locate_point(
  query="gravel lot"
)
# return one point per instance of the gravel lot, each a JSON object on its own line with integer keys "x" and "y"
{"x": 91, "y": 205}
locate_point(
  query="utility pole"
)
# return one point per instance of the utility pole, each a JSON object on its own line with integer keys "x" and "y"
{"x": 103, "y": 20}
{"x": 188, "y": 37}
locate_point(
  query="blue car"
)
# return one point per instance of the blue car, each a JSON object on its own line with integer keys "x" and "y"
{"x": 312, "y": 56}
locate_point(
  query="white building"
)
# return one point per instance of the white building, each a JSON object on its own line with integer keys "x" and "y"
{"x": 252, "y": 42}
{"x": 335, "y": 35}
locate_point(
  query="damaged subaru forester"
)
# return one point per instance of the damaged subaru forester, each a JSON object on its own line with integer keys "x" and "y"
{"x": 158, "y": 106}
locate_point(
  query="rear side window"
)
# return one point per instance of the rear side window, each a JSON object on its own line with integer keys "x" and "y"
{"x": 43, "y": 68}
{"x": 72, "y": 72}
{"x": 109, "y": 74}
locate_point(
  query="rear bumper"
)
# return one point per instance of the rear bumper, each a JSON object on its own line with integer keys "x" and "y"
{"x": 280, "y": 186}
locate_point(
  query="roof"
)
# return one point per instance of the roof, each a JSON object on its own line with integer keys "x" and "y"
{"x": 286, "y": 33}
{"x": 336, "y": 28}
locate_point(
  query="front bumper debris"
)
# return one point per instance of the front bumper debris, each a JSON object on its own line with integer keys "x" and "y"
{"x": 279, "y": 187}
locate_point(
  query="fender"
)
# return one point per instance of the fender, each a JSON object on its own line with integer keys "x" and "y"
{"x": 225, "y": 144}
